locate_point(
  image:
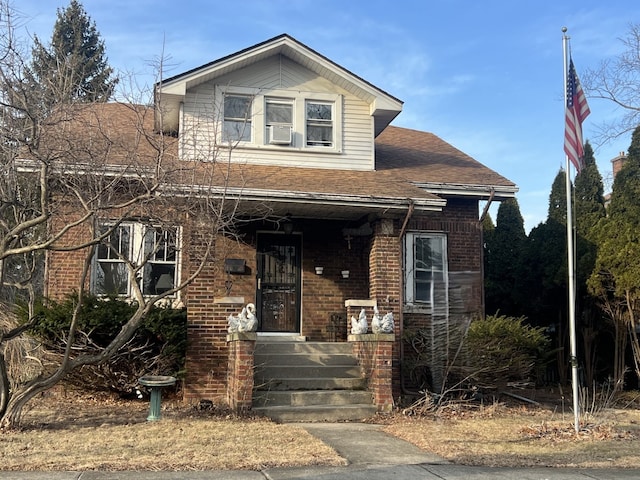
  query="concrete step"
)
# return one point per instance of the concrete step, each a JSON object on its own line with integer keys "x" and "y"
{"x": 305, "y": 398}
{"x": 326, "y": 348}
{"x": 317, "y": 413}
{"x": 309, "y": 382}
{"x": 267, "y": 371}
{"x": 318, "y": 383}
{"x": 303, "y": 359}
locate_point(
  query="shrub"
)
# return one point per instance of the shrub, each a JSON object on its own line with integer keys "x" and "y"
{"x": 158, "y": 346}
{"x": 501, "y": 350}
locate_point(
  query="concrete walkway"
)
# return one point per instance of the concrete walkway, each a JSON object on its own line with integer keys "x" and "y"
{"x": 369, "y": 454}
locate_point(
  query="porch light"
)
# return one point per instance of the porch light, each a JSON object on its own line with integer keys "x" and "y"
{"x": 345, "y": 273}
{"x": 287, "y": 225}
{"x": 319, "y": 270}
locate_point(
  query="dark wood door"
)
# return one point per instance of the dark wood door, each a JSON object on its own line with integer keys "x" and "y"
{"x": 278, "y": 283}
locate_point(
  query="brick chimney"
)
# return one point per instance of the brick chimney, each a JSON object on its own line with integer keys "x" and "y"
{"x": 618, "y": 162}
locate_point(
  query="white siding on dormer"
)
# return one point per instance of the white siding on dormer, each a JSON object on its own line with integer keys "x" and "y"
{"x": 201, "y": 117}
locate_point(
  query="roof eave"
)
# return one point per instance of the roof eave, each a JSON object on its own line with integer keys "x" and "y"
{"x": 482, "y": 192}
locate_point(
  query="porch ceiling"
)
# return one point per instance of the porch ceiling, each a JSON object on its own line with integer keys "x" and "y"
{"x": 318, "y": 211}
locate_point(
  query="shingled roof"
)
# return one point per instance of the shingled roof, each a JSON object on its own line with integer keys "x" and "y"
{"x": 411, "y": 166}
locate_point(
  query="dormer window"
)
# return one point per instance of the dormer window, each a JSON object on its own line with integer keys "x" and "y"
{"x": 279, "y": 121}
{"x": 319, "y": 121}
{"x": 237, "y": 118}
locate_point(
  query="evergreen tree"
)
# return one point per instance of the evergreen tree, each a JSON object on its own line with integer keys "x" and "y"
{"x": 74, "y": 67}
{"x": 558, "y": 199}
{"x": 503, "y": 261}
{"x": 589, "y": 210}
{"x": 616, "y": 277}
{"x": 589, "y": 195}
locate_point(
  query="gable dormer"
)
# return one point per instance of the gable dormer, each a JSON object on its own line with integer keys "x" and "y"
{"x": 277, "y": 103}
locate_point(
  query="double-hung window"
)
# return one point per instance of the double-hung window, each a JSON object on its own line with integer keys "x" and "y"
{"x": 160, "y": 252}
{"x": 278, "y": 115}
{"x": 319, "y": 122}
{"x": 110, "y": 273}
{"x": 237, "y": 118}
{"x": 425, "y": 268}
{"x": 154, "y": 250}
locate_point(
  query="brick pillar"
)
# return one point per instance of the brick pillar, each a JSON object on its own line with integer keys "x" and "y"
{"x": 375, "y": 354}
{"x": 385, "y": 275}
{"x": 240, "y": 370}
{"x": 207, "y": 352}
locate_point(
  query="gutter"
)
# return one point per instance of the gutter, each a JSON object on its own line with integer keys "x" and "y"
{"x": 389, "y": 203}
{"x": 469, "y": 190}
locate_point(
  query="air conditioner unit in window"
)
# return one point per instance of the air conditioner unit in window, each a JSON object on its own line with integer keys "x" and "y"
{"x": 280, "y": 134}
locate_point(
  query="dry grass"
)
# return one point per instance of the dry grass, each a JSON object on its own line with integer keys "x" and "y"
{"x": 98, "y": 433}
{"x": 515, "y": 437}
{"x": 82, "y": 433}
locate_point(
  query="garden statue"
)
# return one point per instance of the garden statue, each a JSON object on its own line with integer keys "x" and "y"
{"x": 246, "y": 321}
{"x": 359, "y": 326}
{"x": 381, "y": 324}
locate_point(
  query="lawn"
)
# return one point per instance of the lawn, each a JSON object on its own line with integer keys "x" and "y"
{"x": 97, "y": 432}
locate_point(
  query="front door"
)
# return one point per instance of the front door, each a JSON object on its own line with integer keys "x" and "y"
{"x": 278, "y": 283}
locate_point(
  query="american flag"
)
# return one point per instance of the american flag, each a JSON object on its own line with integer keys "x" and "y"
{"x": 576, "y": 111}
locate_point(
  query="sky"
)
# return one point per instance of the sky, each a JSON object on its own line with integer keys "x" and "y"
{"x": 485, "y": 76}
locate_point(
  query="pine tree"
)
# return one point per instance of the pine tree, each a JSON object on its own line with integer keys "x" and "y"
{"x": 503, "y": 261}
{"x": 558, "y": 199}
{"x": 616, "y": 277}
{"x": 589, "y": 211}
{"x": 74, "y": 67}
{"x": 589, "y": 195}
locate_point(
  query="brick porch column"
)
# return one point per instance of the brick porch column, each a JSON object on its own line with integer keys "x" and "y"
{"x": 375, "y": 354}
{"x": 240, "y": 370}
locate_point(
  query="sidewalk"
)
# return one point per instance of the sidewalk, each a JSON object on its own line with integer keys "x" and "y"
{"x": 369, "y": 453}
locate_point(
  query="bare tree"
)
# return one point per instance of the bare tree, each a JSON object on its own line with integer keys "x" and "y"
{"x": 618, "y": 80}
{"x": 74, "y": 182}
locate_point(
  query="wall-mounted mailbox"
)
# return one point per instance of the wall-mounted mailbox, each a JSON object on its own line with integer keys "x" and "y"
{"x": 234, "y": 265}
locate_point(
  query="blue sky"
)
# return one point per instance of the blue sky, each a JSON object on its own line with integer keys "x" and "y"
{"x": 486, "y": 76}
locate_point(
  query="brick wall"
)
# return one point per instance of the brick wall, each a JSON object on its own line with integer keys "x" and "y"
{"x": 323, "y": 295}
{"x": 210, "y": 299}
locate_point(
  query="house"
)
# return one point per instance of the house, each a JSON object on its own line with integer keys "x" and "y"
{"x": 338, "y": 211}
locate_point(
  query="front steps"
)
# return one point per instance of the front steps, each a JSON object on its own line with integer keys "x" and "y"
{"x": 309, "y": 382}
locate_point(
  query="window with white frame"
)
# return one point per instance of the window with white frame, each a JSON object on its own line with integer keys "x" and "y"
{"x": 110, "y": 273}
{"x": 237, "y": 118}
{"x": 425, "y": 262}
{"x": 281, "y": 119}
{"x": 319, "y": 124}
{"x": 153, "y": 247}
{"x": 278, "y": 115}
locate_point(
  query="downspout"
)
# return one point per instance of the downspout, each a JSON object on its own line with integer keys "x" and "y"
{"x": 482, "y": 217}
{"x": 401, "y": 298}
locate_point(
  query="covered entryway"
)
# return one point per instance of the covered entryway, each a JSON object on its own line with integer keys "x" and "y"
{"x": 278, "y": 282}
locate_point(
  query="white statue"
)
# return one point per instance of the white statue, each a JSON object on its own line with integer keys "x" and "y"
{"x": 246, "y": 321}
{"x": 376, "y": 320}
{"x": 359, "y": 325}
{"x": 384, "y": 324}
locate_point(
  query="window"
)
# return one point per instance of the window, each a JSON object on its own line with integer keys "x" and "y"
{"x": 154, "y": 247}
{"x": 237, "y": 118}
{"x": 319, "y": 124}
{"x": 111, "y": 276}
{"x": 161, "y": 252}
{"x": 278, "y": 114}
{"x": 280, "y": 119}
{"x": 425, "y": 268}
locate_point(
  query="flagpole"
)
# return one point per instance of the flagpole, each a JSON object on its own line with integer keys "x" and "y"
{"x": 570, "y": 262}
